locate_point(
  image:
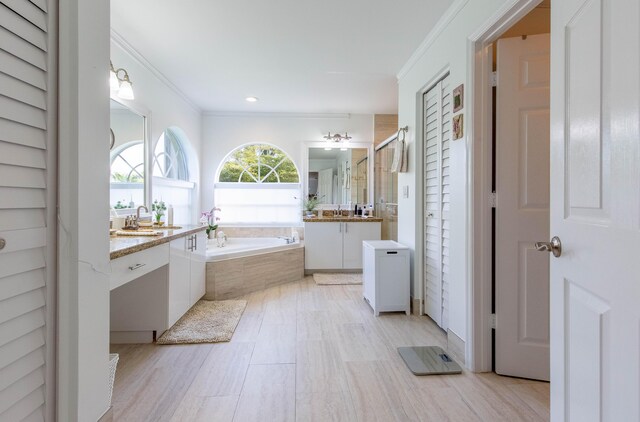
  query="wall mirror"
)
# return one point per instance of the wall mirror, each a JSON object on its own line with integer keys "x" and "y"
{"x": 338, "y": 176}
{"x": 128, "y": 157}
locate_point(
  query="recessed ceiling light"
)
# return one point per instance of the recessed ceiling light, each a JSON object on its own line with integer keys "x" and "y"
{"x": 252, "y": 99}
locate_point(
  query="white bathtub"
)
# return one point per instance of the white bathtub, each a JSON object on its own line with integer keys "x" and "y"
{"x": 237, "y": 247}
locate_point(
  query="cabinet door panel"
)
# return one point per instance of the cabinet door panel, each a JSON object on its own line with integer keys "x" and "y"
{"x": 179, "y": 279}
{"x": 198, "y": 268}
{"x": 323, "y": 246}
{"x": 354, "y": 234}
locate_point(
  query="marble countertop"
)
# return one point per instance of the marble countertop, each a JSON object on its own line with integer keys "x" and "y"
{"x": 342, "y": 219}
{"x": 121, "y": 246}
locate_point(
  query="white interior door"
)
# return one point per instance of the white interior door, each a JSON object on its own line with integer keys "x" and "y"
{"x": 437, "y": 136}
{"x": 325, "y": 186}
{"x": 595, "y": 210}
{"x": 522, "y": 211}
{"x": 27, "y": 211}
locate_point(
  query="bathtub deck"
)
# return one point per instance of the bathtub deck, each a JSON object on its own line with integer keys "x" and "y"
{"x": 306, "y": 352}
{"x": 235, "y": 277}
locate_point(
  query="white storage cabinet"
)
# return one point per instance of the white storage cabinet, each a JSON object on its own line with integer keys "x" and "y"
{"x": 337, "y": 245}
{"x": 187, "y": 268}
{"x": 385, "y": 274}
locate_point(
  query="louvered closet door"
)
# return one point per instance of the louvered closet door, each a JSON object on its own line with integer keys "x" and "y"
{"x": 437, "y": 136}
{"x": 27, "y": 139}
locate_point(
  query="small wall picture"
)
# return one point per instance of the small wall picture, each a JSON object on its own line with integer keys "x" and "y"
{"x": 458, "y": 123}
{"x": 458, "y": 98}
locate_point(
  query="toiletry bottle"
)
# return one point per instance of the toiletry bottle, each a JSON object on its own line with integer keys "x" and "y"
{"x": 170, "y": 216}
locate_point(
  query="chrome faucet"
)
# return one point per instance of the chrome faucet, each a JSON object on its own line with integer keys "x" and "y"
{"x": 138, "y": 212}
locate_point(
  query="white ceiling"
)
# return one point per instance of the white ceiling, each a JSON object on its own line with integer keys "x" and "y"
{"x": 327, "y": 56}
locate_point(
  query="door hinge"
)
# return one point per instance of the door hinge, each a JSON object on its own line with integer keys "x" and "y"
{"x": 494, "y": 78}
{"x": 493, "y": 200}
{"x": 492, "y": 321}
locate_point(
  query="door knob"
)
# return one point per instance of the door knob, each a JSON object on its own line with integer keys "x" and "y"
{"x": 3, "y": 243}
{"x": 555, "y": 246}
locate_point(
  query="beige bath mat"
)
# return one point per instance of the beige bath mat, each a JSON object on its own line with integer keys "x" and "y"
{"x": 208, "y": 321}
{"x": 337, "y": 278}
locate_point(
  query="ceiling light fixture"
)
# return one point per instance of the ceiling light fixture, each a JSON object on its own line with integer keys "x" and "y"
{"x": 252, "y": 99}
{"x": 121, "y": 86}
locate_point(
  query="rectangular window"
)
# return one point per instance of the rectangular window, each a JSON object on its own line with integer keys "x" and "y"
{"x": 264, "y": 204}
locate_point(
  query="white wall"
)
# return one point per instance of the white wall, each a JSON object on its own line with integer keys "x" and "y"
{"x": 223, "y": 133}
{"x": 166, "y": 107}
{"x": 447, "y": 50}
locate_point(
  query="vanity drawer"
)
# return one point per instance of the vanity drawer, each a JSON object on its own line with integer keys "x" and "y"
{"x": 130, "y": 267}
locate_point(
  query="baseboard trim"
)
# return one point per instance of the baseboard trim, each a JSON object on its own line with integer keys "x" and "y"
{"x": 455, "y": 346}
{"x": 415, "y": 307}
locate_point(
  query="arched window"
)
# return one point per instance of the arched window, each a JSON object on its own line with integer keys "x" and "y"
{"x": 127, "y": 163}
{"x": 169, "y": 157}
{"x": 127, "y": 175}
{"x": 258, "y": 163}
{"x": 258, "y": 184}
{"x": 172, "y": 181}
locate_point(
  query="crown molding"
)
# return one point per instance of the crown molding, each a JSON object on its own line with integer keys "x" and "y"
{"x": 431, "y": 37}
{"x": 121, "y": 42}
{"x": 277, "y": 115}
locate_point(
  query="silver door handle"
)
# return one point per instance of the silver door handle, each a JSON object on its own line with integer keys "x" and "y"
{"x": 135, "y": 267}
{"x": 340, "y": 227}
{"x": 346, "y": 227}
{"x": 555, "y": 246}
{"x": 3, "y": 243}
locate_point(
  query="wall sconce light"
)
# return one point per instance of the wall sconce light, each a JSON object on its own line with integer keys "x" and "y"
{"x": 120, "y": 85}
{"x": 336, "y": 137}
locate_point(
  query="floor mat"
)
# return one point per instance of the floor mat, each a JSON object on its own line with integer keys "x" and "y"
{"x": 330, "y": 279}
{"x": 208, "y": 321}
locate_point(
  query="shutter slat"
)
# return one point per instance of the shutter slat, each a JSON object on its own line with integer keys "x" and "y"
{"x": 20, "y": 305}
{"x": 23, "y": 28}
{"x": 22, "y": 346}
{"x": 22, "y": 113}
{"x": 17, "y": 400}
{"x": 19, "y": 155}
{"x": 18, "y": 284}
{"x": 16, "y": 328}
{"x": 22, "y": 49}
{"x": 41, "y": 4}
{"x": 17, "y": 133}
{"x": 21, "y": 177}
{"x": 28, "y": 11}
{"x": 23, "y": 92}
{"x": 15, "y": 263}
{"x": 21, "y": 198}
{"x": 19, "y": 69}
{"x": 21, "y": 219}
{"x": 21, "y": 368}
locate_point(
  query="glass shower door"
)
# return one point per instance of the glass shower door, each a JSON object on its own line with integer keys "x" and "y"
{"x": 386, "y": 191}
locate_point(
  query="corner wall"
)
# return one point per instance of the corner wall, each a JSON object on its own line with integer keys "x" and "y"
{"x": 446, "y": 48}
{"x": 222, "y": 133}
{"x": 166, "y": 106}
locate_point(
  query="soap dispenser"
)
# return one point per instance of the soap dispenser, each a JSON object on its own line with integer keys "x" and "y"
{"x": 170, "y": 216}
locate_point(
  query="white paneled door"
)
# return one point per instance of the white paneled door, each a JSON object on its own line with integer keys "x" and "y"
{"x": 595, "y": 210}
{"x": 522, "y": 211}
{"x": 27, "y": 210}
{"x": 437, "y": 136}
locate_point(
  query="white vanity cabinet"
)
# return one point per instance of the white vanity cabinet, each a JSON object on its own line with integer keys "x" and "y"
{"x": 336, "y": 245}
{"x": 187, "y": 268}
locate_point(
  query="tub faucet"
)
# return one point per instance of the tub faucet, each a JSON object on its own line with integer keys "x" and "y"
{"x": 287, "y": 239}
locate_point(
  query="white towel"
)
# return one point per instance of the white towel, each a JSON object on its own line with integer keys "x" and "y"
{"x": 400, "y": 157}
